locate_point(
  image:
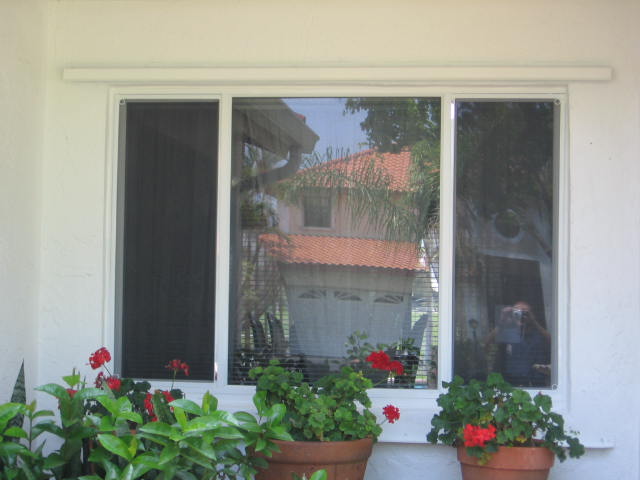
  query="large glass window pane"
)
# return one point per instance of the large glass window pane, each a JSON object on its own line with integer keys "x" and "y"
{"x": 166, "y": 245}
{"x": 334, "y": 235}
{"x": 504, "y": 258}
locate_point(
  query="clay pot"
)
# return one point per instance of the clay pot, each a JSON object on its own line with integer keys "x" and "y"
{"x": 342, "y": 460}
{"x": 508, "y": 463}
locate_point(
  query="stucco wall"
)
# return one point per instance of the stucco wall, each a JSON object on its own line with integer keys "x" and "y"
{"x": 602, "y": 354}
{"x": 22, "y": 50}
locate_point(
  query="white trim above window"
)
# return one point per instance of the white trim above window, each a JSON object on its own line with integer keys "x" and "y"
{"x": 343, "y": 75}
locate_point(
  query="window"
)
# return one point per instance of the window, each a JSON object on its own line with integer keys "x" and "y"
{"x": 505, "y": 263}
{"x": 334, "y": 223}
{"x": 168, "y": 228}
{"x": 318, "y": 300}
{"x": 317, "y": 209}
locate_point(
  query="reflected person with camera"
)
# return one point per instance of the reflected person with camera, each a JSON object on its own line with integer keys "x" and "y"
{"x": 524, "y": 346}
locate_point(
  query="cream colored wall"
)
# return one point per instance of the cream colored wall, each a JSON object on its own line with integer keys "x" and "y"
{"x": 601, "y": 351}
{"x": 22, "y": 50}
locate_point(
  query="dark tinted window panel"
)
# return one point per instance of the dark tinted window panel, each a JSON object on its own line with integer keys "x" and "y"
{"x": 504, "y": 316}
{"x": 168, "y": 243}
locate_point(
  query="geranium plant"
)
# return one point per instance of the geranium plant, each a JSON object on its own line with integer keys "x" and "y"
{"x": 334, "y": 408}
{"x": 483, "y": 416}
{"x": 144, "y": 401}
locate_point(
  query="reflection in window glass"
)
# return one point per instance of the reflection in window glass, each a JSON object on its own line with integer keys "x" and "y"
{"x": 504, "y": 267}
{"x": 366, "y": 171}
{"x": 317, "y": 209}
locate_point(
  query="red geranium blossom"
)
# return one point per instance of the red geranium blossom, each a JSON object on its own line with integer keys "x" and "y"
{"x": 148, "y": 404}
{"x": 379, "y": 360}
{"x": 476, "y": 436}
{"x": 176, "y": 365}
{"x": 114, "y": 383}
{"x": 392, "y": 413}
{"x": 395, "y": 367}
{"x": 99, "y": 358}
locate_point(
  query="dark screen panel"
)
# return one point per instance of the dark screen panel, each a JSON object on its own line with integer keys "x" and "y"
{"x": 168, "y": 246}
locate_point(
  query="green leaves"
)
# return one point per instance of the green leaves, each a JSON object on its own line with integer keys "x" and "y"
{"x": 520, "y": 420}
{"x": 335, "y": 408}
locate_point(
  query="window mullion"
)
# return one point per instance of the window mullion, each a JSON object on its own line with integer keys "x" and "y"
{"x": 221, "y": 350}
{"x": 447, "y": 239}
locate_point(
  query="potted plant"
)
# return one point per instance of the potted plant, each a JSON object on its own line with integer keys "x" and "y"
{"x": 501, "y": 432}
{"x": 176, "y": 438}
{"x": 330, "y": 421}
{"x": 185, "y": 440}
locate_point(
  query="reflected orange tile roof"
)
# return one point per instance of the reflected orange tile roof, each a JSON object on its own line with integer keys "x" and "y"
{"x": 343, "y": 251}
{"x": 395, "y": 165}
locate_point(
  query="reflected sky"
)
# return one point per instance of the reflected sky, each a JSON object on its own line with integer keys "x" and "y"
{"x": 337, "y": 131}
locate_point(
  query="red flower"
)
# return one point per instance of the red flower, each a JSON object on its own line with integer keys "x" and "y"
{"x": 99, "y": 358}
{"x": 167, "y": 396}
{"x": 476, "y": 436}
{"x": 99, "y": 380}
{"x": 71, "y": 392}
{"x": 173, "y": 365}
{"x": 114, "y": 383}
{"x": 176, "y": 365}
{"x": 396, "y": 367}
{"x": 379, "y": 360}
{"x": 392, "y": 413}
{"x": 148, "y": 404}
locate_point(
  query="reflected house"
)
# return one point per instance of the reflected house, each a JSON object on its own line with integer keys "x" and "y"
{"x": 268, "y": 146}
{"x": 342, "y": 275}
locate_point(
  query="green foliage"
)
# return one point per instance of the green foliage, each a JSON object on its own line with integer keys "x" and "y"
{"x": 201, "y": 442}
{"x": 519, "y": 419}
{"x": 136, "y": 392}
{"x": 335, "y": 408}
{"x": 75, "y": 428}
{"x": 19, "y": 395}
{"x": 21, "y": 452}
{"x": 391, "y": 124}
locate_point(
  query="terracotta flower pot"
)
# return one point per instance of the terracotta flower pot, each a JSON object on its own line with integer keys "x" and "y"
{"x": 342, "y": 460}
{"x": 508, "y": 463}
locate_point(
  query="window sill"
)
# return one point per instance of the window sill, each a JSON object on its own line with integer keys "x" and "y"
{"x": 416, "y": 409}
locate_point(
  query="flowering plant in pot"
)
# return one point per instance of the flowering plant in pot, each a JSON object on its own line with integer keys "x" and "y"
{"x": 333, "y": 414}
{"x": 486, "y": 419}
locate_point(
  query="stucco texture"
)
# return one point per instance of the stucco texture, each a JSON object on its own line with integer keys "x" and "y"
{"x": 60, "y": 274}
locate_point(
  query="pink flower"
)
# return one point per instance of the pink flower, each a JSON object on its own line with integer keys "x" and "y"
{"x": 392, "y": 413}
{"x": 71, "y": 392}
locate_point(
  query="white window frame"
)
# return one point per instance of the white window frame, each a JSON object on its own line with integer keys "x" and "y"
{"x": 417, "y": 405}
